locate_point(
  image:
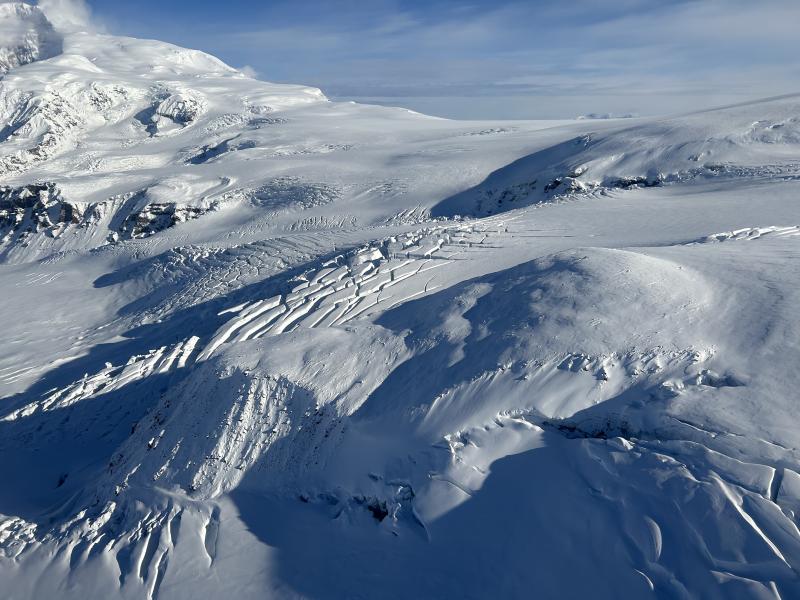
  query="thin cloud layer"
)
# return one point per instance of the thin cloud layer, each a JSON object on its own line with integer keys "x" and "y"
{"x": 639, "y": 56}
{"x": 67, "y": 15}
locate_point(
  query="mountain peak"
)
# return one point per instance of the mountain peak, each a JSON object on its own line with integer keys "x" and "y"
{"x": 27, "y": 36}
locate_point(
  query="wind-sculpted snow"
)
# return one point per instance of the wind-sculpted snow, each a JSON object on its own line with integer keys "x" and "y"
{"x": 250, "y": 349}
{"x": 752, "y": 233}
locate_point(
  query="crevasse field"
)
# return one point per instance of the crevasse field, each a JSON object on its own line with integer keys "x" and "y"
{"x": 257, "y": 344}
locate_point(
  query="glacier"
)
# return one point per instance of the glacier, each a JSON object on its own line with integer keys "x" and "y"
{"x": 263, "y": 344}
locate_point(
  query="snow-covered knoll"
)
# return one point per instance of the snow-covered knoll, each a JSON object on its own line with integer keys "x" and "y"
{"x": 261, "y": 344}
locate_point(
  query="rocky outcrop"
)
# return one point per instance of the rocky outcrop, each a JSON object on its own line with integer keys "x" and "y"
{"x": 35, "y": 207}
{"x": 155, "y": 217}
{"x": 42, "y": 208}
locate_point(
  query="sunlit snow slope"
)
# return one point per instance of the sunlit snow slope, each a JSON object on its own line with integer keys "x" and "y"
{"x": 259, "y": 344}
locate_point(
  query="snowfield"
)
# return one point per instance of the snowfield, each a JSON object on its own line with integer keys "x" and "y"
{"x": 260, "y": 344}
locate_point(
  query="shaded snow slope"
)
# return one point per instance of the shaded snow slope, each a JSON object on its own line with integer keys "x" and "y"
{"x": 241, "y": 357}
{"x": 750, "y": 140}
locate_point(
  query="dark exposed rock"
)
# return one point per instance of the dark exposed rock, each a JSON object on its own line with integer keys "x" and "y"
{"x": 35, "y": 207}
{"x": 626, "y": 183}
{"x": 155, "y": 217}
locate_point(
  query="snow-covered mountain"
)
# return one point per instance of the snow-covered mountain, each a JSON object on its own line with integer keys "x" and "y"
{"x": 26, "y": 36}
{"x": 262, "y": 344}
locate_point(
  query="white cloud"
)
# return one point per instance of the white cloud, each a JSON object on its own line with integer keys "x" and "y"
{"x": 620, "y": 56}
{"x": 67, "y": 15}
{"x": 25, "y": 35}
{"x": 249, "y": 71}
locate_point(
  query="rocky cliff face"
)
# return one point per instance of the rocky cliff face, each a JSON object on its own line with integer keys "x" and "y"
{"x": 41, "y": 208}
{"x": 31, "y": 208}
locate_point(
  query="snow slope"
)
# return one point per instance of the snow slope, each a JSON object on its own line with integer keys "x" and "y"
{"x": 749, "y": 140}
{"x": 257, "y": 343}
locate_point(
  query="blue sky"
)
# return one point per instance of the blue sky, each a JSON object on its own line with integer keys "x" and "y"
{"x": 535, "y": 59}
